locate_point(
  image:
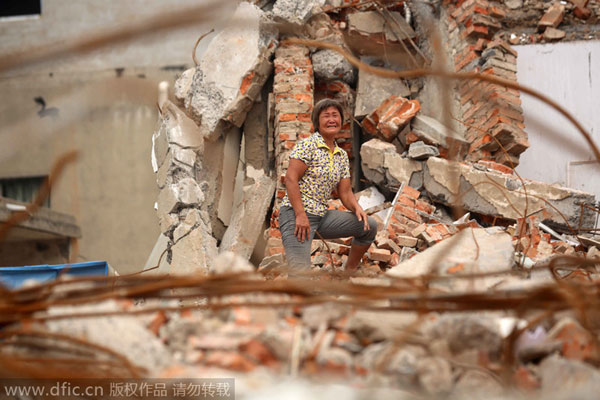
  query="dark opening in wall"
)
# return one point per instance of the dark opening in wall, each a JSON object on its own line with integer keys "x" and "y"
{"x": 20, "y": 8}
{"x": 22, "y": 189}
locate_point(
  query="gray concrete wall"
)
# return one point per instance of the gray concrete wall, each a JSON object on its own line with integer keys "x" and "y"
{"x": 570, "y": 74}
{"x": 106, "y": 104}
{"x": 65, "y": 20}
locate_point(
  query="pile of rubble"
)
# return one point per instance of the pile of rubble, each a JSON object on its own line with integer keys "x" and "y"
{"x": 534, "y": 21}
{"x": 444, "y": 191}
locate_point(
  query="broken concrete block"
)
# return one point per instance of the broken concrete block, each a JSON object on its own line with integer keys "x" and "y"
{"x": 228, "y": 172}
{"x": 433, "y": 132}
{"x": 553, "y": 17}
{"x": 330, "y": 65}
{"x": 160, "y": 145}
{"x": 373, "y": 90}
{"x": 297, "y": 11}
{"x": 421, "y": 151}
{"x": 383, "y": 166}
{"x": 255, "y": 136}
{"x": 181, "y": 129}
{"x": 183, "y": 84}
{"x": 502, "y": 195}
{"x": 551, "y": 34}
{"x": 192, "y": 220}
{"x": 185, "y": 193}
{"x": 232, "y": 71}
{"x": 194, "y": 252}
{"x": 390, "y": 117}
{"x": 459, "y": 255}
{"x": 246, "y": 222}
{"x": 374, "y": 26}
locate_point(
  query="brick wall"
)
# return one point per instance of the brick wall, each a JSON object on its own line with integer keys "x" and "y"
{"x": 293, "y": 89}
{"x": 491, "y": 113}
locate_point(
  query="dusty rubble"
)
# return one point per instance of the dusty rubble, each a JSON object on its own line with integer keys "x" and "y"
{"x": 454, "y": 217}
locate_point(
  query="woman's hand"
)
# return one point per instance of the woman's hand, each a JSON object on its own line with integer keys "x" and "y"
{"x": 362, "y": 216}
{"x": 302, "y": 230}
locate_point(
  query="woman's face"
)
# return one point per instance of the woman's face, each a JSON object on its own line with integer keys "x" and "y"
{"x": 330, "y": 121}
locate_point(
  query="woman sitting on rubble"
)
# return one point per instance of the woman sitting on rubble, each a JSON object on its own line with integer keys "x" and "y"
{"x": 318, "y": 166}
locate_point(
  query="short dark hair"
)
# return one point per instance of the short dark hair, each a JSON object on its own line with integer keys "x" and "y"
{"x": 323, "y": 105}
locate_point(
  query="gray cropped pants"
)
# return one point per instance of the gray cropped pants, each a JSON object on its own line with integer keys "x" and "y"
{"x": 334, "y": 224}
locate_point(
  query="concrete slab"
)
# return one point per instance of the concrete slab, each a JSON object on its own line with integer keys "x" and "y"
{"x": 296, "y": 11}
{"x": 383, "y": 166}
{"x": 247, "y": 220}
{"x": 431, "y": 131}
{"x": 232, "y": 71}
{"x": 469, "y": 251}
{"x": 496, "y": 194}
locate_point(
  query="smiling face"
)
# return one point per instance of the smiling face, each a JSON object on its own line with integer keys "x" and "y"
{"x": 330, "y": 122}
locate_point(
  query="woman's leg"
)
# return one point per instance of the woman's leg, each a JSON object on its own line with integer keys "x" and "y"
{"x": 297, "y": 253}
{"x": 336, "y": 224}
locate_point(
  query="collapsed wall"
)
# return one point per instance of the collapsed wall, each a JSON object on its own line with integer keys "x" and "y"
{"x": 222, "y": 151}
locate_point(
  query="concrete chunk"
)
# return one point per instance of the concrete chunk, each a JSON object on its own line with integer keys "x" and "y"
{"x": 462, "y": 254}
{"x": 421, "y": 151}
{"x": 373, "y": 89}
{"x": 330, "y": 65}
{"x": 194, "y": 252}
{"x": 296, "y": 11}
{"x": 431, "y": 131}
{"x": 497, "y": 194}
{"x": 247, "y": 220}
{"x": 383, "y": 166}
{"x": 232, "y": 71}
{"x": 390, "y": 117}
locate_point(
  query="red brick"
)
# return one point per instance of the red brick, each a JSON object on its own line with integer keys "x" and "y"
{"x": 497, "y": 12}
{"x": 407, "y": 201}
{"x": 475, "y": 31}
{"x": 246, "y": 82}
{"x": 553, "y": 17}
{"x": 462, "y": 62}
{"x": 408, "y": 212}
{"x": 411, "y": 192}
{"x": 577, "y": 343}
{"x": 276, "y": 233}
{"x": 425, "y": 207}
{"x": 582, "y": 13}
{"x": 287, "y": 117}
{"x": 411, "y": 137}
{"x": 383, "y": 255}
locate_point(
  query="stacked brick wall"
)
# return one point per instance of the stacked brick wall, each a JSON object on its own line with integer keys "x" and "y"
{"x": 293, "y": 89}
{"x": 491, "y": 113}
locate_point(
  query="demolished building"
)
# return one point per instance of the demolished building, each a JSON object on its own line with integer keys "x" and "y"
{"x": 222, "y": 147}
{"x": 480, "y": 283}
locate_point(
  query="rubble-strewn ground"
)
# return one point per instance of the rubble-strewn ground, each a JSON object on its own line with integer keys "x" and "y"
{"x": 480, "y": 284}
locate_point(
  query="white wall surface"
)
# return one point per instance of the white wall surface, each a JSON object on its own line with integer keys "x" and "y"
{"x": 569, "y": 73}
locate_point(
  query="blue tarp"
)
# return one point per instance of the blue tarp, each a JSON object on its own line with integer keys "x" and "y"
{"x": 13, "y": 277}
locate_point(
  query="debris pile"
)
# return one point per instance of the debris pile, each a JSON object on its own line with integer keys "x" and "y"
{"x": 445, "y": 301}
